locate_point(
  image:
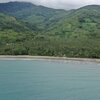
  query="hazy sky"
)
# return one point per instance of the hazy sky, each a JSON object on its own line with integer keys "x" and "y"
{"x": 61, "y": 4}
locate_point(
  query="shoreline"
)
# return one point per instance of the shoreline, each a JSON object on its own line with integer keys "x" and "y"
{"x": 47, "y": 58}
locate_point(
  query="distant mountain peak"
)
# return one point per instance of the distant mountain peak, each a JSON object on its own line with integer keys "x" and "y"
{"x": 91, "y": 7}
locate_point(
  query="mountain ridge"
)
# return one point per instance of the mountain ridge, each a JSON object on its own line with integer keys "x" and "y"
{"x": 33, "y": 13}
{"x": 38, "y": 30}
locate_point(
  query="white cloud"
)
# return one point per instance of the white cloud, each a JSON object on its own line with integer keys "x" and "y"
{"x": 61, "y": 4}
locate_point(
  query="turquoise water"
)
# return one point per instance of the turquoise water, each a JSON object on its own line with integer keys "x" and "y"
{"x": 41, "y": 80}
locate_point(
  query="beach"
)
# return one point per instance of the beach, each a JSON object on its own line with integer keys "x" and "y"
{"x": 48, "y": 58}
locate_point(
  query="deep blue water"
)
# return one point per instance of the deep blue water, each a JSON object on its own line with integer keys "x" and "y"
{"x": 41, "y": 80}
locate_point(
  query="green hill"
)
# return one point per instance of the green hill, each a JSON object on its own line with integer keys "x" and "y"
{"x": 81, "y": 31}
{"x": 31, "y": 13}
{"x": 13, "y": 33}
{"x": 26, "y": 28}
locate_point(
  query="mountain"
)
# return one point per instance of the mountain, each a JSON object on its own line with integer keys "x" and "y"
{"x": 13, "y": 33}
{"x": 28, "y": 29}
{"x": 11, "y": 23}
{"x": 84, "y": 19}
{"x": 31, "y": 13}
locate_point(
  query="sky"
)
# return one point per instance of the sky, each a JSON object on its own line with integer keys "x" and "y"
{"x": 60, "y": 4}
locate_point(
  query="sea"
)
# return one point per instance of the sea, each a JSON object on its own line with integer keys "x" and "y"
{"x": 49, "y": 80}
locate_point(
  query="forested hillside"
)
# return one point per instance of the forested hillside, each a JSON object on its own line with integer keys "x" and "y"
{"x": 28, "y": 29}
{"x": 38, "y": 15}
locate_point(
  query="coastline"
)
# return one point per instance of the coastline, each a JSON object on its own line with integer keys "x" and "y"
{"x": 47, "y": 58}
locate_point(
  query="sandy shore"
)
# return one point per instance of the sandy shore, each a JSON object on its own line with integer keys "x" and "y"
{"x": 26, "y": 57}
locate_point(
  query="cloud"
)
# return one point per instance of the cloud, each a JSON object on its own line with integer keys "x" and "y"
{"x": 60, "y": 4}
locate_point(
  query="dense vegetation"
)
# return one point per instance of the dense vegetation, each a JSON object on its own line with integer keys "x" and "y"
{"x": 27, "y": 29}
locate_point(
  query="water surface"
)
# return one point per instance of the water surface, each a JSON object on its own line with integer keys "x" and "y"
{"x": 42, "y": 80}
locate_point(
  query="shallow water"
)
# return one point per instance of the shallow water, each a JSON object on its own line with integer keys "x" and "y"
{"x": 42, "y": 80}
